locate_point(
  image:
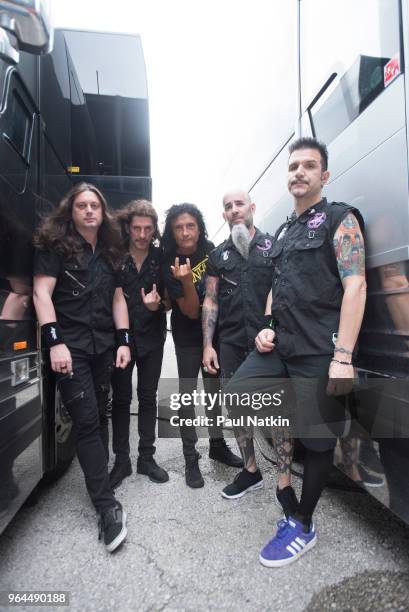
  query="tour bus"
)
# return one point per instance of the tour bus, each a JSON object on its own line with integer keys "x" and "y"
{"x": 351, "y": 91}
{"x": 74, "y": 107}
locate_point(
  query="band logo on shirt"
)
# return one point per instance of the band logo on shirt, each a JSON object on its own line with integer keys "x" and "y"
{"x": 199, "y": 270}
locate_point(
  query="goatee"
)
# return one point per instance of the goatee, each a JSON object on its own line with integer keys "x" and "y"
{"x": 241, "y": 238}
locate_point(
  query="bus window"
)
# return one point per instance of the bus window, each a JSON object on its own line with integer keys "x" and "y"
{"x": 16, "y": 125}
{"x": 110, "y": 102}
{"x": 367, "y": 37}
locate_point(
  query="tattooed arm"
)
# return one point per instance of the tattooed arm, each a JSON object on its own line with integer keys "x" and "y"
{"x": 210, "y": 311}
{"x": 350, "y": 254}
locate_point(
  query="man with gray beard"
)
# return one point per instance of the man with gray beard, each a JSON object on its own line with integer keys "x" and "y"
{"x": 239, "y": 273}
{"x": 239, "y": 276}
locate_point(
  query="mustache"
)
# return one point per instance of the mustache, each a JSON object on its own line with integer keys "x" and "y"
{"x": 297, "y": 182}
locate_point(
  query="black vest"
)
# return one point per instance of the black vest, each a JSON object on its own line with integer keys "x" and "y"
{"x": 307, "y": 289}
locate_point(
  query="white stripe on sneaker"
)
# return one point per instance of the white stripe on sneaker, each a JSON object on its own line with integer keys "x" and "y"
{"x": 295, "y": 545}
{"x": 291, "y": 549}
{"x": 300, "y": 541}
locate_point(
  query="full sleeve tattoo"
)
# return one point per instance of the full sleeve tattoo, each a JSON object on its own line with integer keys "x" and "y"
{"x": 210, "y": 309}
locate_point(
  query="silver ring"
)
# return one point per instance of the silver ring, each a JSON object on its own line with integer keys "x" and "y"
{"x": 204, "y": 369}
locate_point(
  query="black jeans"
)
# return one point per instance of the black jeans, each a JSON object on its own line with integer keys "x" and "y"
{"x": 189, "y": 360}
{"x": 85, "y": 396}
{"x": 231, "y": 357}
{"x": 316, "y": 419}
{"x": 149, "y": 368}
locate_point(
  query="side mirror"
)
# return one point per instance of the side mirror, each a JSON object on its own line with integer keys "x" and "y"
{"x": 29, "y": 22}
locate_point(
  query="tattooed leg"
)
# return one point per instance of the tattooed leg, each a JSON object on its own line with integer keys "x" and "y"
{"x": 284, "y": 447}
{"x": 349, "y": 447}
{"x": 244, "y": 439}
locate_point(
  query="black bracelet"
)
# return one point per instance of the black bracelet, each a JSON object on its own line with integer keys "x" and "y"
{"x": 342, "y": 362}
{"x": 52, "y": 334}
{"x": 123, "y": 337}
{"x": 268, "y": 322}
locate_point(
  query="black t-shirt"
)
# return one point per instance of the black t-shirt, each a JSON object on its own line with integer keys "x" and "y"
{"x": 186, "y": 331}
{"x": 148, "y": 328}
{"x": 82, "y": 296}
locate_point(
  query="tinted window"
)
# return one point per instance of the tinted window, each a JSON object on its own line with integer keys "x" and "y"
{"x": 109, "y": 104}
{"x": 55, "y": 98}
{"x": 15, "y": 128}
{"x": 363, "y": 50}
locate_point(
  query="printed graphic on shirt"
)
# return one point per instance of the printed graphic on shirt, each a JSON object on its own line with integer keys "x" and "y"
{"x": 199, "y": 270}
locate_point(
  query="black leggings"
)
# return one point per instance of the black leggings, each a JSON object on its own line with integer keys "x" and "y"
{"x": 317, "y": 467}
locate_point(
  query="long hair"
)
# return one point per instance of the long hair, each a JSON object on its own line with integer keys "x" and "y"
{"x": 137, "y": 208}
{"x": 57, "y": 232}
{"x": 168, "y": 239}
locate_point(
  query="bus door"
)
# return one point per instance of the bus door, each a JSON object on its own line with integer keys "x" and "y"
{"x": 21, "y": 464}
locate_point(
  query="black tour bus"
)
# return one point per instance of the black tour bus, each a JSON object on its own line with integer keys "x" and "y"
{"x": 74, "y": 107}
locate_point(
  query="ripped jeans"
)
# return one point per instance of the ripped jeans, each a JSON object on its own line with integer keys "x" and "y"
{"x": 85, "y": 396}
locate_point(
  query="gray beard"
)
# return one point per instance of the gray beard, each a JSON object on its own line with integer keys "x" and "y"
{"x": 241, "y": 239}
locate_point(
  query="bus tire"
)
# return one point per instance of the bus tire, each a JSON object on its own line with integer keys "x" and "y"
{"x": 64, "y": 440}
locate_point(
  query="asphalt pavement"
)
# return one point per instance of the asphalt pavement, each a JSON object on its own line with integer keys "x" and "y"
{"x": 193, "y": 550}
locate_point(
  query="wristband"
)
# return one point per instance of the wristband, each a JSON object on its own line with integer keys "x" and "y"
{"x": 268, "y": 322}
{"x": 341, "y": 362}
{"x": 123, "y": 337}
{"x": 52, "y": 334}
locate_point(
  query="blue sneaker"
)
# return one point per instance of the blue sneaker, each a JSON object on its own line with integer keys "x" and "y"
{"x": 288, "y": 544}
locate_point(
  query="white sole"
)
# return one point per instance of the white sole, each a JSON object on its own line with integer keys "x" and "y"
{"x": 254, "y": 487}
{"x": 281, "y": 562}
{"x": 373, "y": 485}
{"x": 120, "y": 537}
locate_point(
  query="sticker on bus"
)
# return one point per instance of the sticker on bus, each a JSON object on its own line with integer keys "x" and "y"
{"x": 391, "y": 70}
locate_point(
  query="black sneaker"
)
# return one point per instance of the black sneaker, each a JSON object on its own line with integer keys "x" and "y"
{"x": 219, "y": 451}
{"x": 287, "y": 500}
{"x": 368, "y": 479}
{"x": 243, "y": 483}
{"x": 121, "y": 470}
{"x": 194, "y": 478}
{"x": 149, "y": 467}
{"x": 112, "y": 525}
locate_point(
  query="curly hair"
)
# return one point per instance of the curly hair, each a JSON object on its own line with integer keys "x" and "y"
{"x": 137, "y": 208}
{"x": 168, "y": 240}
{"x": 57, "y": 232}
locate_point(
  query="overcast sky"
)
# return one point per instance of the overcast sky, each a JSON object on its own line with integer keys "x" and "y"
{"x": 215, "y": 71}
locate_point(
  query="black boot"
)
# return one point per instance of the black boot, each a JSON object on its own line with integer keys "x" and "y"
{"x": 121, "y": 470}
{"x": 219, "y": 451}
{"x": 149, "y": 467}
{"x": 194, "y": 478}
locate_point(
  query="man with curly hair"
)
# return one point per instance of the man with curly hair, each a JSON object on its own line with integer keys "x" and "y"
{"x": 142, "y": 284}
{"x": 186, "y": 254}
